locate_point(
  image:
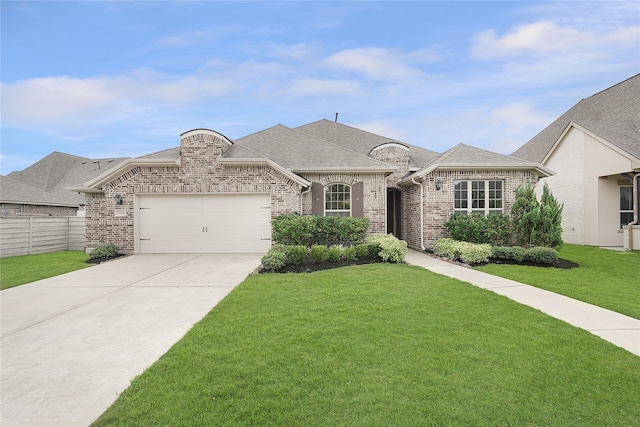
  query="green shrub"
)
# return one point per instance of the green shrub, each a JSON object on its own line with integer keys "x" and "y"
{"x": 494, "y": 228}
{"x": 334, "y": 253}
{"x": 469, "y": 253}
{"x": 294, "y": 229}
{"x": 541, "y": 255}
{"x": 515, "y": 253}
{"x": 549, "y": 227}
{"x": 362, "y": 252}
{"x": 349, "y": 253}
{"x": 296, "y": 254}
{"x": 319, "y": 253}
{"x": 352, "y": 230}
{"x": 274, "y": 259}
{"x": 391, "y": 249}
{"x": 108, "y": 250}
{"x": 525, "y": 215}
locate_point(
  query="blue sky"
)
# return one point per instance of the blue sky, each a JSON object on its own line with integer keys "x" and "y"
{"x": 116, "y": 79}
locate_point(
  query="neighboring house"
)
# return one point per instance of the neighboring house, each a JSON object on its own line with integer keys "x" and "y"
{"x": 212, "y": 194}
{"x": 40, "y": 189}
{"x": 594, "y": 148}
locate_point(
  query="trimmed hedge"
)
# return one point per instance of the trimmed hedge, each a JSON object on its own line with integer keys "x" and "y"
{"x": 536, "y": 255}
{"x": 378, "y": 247}
{"x": 494, "y": 228}
{"x": 309, "y": 230}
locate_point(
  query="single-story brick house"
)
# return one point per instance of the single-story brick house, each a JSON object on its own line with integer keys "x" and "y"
{"x": 212, "y": 194}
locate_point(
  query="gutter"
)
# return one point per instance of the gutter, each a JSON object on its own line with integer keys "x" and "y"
{"x": 421, "y": 213}
{"x": 636, "y": 212}
{"x": 302, "y": 197}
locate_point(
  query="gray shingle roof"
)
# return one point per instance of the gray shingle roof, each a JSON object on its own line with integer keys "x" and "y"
{"x": 296, "y": 150}
{"x": 613, "y": 114}
{"x": 361, "y": 141}
{"x": 46, "y": 179}
{"x": 465, "y": 155}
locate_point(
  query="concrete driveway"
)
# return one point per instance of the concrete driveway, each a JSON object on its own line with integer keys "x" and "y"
{"x": 70, "y": 344}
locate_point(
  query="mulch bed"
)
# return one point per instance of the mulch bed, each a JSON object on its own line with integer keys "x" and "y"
{"x": 308, "y": 267}
{"x": 561, "y": 263}
{"x": 101, "y": 260}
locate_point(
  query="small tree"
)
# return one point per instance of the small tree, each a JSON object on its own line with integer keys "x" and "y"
{"x": 536, "y": 224}
{"x": 525, "y": 216}
{"x": 549, "y": 228}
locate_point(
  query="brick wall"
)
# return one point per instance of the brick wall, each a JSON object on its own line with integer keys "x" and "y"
{"x": 375, "y": 193}
{"x": 438, "y": 204}
{"x": 199, "y": 172}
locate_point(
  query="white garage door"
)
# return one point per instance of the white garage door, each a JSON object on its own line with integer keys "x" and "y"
{"x": 233, "y": 223}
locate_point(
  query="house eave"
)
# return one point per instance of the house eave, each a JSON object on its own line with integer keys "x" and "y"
{"x": 95, "y": 185}
{"x": 362, "y": 170}
{"x": 265, "y": 162}
{"x": 540, "y": 170}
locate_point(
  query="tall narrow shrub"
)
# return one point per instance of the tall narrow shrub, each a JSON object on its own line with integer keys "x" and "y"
{"x": 525, "y": 216}
{"x": 549, "y": 227}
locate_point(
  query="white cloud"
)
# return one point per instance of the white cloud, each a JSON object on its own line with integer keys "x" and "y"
{"x": 382, "y": 64}
{"x": 535, "y": 38}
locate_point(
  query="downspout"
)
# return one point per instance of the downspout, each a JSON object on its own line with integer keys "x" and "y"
{"x": 421, "y": 212}
{"x": 302, "y": 197}
{"x": 636, "y": 212}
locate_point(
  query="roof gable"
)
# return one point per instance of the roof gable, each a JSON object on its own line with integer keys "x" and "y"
{"x": 614, "y": 114}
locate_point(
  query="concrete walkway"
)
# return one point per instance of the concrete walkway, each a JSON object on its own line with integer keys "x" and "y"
{"x": 72, "y": 343}
{"x": 621, "y": 330}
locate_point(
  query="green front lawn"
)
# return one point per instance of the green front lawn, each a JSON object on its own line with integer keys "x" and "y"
{"x": 606, "y": 278}
{"x": 19, "y": 270}
{"x": 380, "y": 345}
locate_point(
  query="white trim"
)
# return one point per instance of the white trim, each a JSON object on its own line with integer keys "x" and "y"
{"x": 95, "y": 185}
{"x": 362, "y": 170}
{"x": 324, "y": 199}
{"x": 542, "y": 171}
{"x": 595, "y": 136}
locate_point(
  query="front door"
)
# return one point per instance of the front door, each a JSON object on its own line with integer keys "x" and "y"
{"x": 394, "y": 209}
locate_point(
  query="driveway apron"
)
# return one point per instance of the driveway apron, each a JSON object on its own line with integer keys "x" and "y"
{"x": 72, "y": 343}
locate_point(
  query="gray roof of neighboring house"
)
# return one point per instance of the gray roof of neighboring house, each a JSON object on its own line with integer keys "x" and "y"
{"x": 295, "y": 150}
{"x": 12, "y": 191}
{"x": 361, "y": 141}
{"x": 44, "y": 182}
{"x": 613, "y": 114}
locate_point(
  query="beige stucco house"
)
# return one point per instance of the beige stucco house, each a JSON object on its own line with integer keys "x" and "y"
{"x": 212, "y": 194}
{"x": 594, "y": 148}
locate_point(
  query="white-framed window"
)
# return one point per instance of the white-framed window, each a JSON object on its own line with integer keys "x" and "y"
{"x": 479, "y": 196}
{"x": 337, "y": 200}
{"x": 626, "y": 205}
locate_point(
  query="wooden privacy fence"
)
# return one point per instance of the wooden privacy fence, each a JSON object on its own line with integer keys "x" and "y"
{"x": 38, "y": 235}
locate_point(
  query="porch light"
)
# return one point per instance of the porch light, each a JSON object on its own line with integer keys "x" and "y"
{"x": 439, "y": 185}
{"x": 118, "y": 199}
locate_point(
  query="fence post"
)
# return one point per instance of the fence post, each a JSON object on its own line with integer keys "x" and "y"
{"x": 30, "y": 233}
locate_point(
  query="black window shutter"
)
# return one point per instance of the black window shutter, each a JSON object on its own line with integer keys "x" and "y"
{"x": 317, "y": 199}
{"x": 357, "y": 199}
